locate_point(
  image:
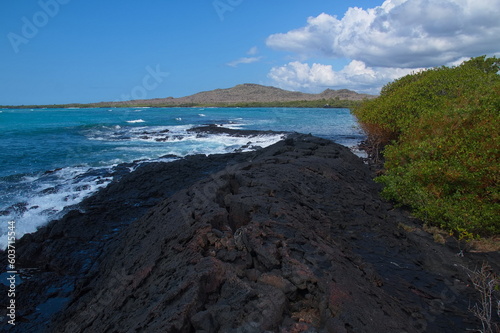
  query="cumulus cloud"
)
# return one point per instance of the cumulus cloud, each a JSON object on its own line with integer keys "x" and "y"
{"x": 400, "y": 33}
{"x": 317, "y": 77}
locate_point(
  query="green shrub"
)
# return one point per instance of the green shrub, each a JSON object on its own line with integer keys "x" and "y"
{"x": 443, "y": 144}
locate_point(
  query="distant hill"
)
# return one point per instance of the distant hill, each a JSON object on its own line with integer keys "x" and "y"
{"x": 242, "y": 95}
{"x": 249, "y": 93}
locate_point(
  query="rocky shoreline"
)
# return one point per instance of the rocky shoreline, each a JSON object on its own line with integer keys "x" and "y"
{"x": 290, "y": 238}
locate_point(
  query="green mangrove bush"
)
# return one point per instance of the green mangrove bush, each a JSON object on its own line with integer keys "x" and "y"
{"x": 441, "y": 133}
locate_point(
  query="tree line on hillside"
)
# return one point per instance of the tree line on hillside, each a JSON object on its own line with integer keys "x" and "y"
{"x": 439, "y": 131}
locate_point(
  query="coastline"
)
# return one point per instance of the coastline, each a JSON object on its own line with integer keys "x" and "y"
{"x": 297, "y": 229}
{"x": 242, "y": 95}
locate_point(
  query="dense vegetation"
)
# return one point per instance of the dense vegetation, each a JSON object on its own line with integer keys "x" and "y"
{"x": 440, "y": 130}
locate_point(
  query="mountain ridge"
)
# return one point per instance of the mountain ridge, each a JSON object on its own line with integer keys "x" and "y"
{"x": 241, "y": 95}
{"x": 251, "y": 93}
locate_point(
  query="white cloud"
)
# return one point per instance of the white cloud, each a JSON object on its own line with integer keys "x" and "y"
{"x": 317, "y": 77}
{"x": 400, "y": 33}
{"x": 244, "y": 60}
{"x": 253, "y": 51}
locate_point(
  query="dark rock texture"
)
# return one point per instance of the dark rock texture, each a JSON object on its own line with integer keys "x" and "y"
{"x": 215, "y": 129}
{"x": 291, "y": 238}
{"x": 56, "y": 257}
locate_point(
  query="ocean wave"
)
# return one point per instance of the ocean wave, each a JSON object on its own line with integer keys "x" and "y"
{"x": 175, "y": 135}
{"x": 136, "y": 121}
{"x": 46, "y": 196}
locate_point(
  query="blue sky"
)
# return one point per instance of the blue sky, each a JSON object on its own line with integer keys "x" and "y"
{"x": 62, "y": 51}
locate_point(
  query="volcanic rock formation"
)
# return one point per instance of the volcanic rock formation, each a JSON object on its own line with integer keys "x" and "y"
{"x": 290, "y": 238}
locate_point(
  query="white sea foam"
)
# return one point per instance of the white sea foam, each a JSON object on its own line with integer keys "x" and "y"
{"x": 46, "y": 196}
{"x": 136, "y": 121}
{"x": 233, "y": 126}
{"x": 179, "y": 135}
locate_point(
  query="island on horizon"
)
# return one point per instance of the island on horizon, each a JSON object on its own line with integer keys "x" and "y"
{"x": 242, "y": 95}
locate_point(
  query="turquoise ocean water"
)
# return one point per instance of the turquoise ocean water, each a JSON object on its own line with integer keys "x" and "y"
{"x": 51, "y": 159}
